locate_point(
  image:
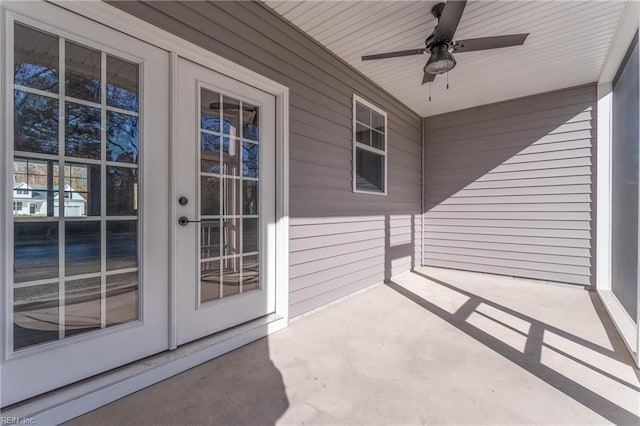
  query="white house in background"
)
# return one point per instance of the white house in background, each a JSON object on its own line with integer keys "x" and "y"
{"x": 31, "y": 200}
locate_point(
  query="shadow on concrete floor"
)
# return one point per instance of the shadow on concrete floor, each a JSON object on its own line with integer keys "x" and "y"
{"x": 531, "y": 359}
{"x": 242, "y": 387}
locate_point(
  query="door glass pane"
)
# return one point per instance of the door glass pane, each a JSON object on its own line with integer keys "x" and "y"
{"x": 82, "y": 131}
{"x": 82, "y": 69}
{"x": 36, "y": 59}
{"x": 35, "y": 315}
{"x": 122, "y": 84}
{"x": 82, "y": 248}
{"x": 35, "y": 188}
{"x": 68, "y": 270}
{"x": 82, "y": 305}
{"x": 35, "y": 123}
{"x": 122, "y": 298}
{"x": 229, "y": 204}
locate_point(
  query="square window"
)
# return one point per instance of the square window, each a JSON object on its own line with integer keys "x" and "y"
{"x": 370, "y": 148}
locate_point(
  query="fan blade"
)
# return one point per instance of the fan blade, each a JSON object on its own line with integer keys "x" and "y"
{"x": 484, "y": 43}
{"x": 394, "y": 54}
{"x": 449, "y": 20}
{"x": 428, "y": 78}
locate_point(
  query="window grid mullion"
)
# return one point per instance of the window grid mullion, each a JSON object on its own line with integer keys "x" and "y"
{"x": 61, "y": 178}
{"x": 103, "y": 190}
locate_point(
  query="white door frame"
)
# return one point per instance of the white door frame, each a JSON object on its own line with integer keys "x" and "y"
{"x": 112, "y": 17}
{"x": 117, "y": 19}
{"x": 628, "y": 327}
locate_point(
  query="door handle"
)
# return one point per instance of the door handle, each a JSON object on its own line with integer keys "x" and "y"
{"x": 184, "y": 221}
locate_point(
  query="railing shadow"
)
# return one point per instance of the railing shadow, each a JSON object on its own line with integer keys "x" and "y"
{"x": 530, "y": 359}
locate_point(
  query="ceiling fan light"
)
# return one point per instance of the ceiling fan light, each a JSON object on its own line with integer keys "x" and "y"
{"x": 440, "y": 60}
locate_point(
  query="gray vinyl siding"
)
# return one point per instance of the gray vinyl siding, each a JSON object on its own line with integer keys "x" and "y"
{"x": 340, "y": 242}
{"x": 509, "y": 187}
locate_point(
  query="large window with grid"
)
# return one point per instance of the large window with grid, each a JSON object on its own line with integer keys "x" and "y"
{"x": 75, "y": 165}
{"x": 369, "y": 148}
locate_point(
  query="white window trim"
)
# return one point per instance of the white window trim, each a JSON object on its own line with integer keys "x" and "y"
{"x": 626, "y": 326}
{"x": 359, "y": 145}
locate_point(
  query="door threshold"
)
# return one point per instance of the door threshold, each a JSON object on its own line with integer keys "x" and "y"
{"x": 79, "y": 398}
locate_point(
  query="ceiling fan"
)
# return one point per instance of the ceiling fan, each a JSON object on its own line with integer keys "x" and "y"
{"x": 440, "y": 43}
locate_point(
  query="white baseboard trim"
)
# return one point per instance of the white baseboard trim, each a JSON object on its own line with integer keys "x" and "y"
{"x": 624, "y": 324}
{"x": 74, "y": 400}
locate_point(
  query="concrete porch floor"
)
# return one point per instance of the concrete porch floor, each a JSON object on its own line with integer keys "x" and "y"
{"x": 431, "y": 347}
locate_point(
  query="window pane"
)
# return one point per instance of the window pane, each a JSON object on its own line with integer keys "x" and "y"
{"x": 122, "y": 298}
{"x": 210, "y": 239}
{"x": 363, "y": 134}
{"x": 81, "y": 190}
{"x": 35, "y": 187}
{"x": 122, "y": 84}
{"x": 231, "y": 157}
{"x": 209, "y": 280}
{"x": 230, "y": 276}
{"x": 82, "y": 131}
{"x": 363, "y": 114}
{"x": 210, "y": 110}
{"x": 82, "y": 68}
{"x": 230, "y": 236}
{"x": 249, "y": 235}
{"x": 250, "y": 159}
{"x": 36, "y": 59}
{"x": 122, "y": 191}
{"x": 35, "y": 251}
{"x": 209, "y": 195}
{"x": 369, "y": 171}
{"x": 35, "y": 315}
{"x": 250, "y": 273}
{"x": 122, "y": 244}
{"x": 250, "y": 122}
{"x": 377, "y": 140}
{"x": 82, "y": 306}
{"x": 377, "y": 121}
{"x": 230, "y": 116}
{"x": 210, "y": 153}
{"x": 35, "y": 123}
{"x": 122, "y": 137}
{"x": 82, "y": 248}
{"x": 250, "y": 197}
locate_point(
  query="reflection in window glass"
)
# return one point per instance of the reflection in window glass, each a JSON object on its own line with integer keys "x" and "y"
{"x": 250, "y": 197}
{"x": 250, "y": 272}
{"x": 122, "y": 244}
{"x": 82, "y": 248}
{"x": 100, "y": 246}
{"x": 210, "y": 110}
{"x": 36, "y": 59}
{"x": 82, "y": 131}
{"x": 35, "y": 123}
{"x": 82, "y": 306}
{"x": 230, "y": 236}
{"x": 35, "y": 187}
{"x": 249, "y": 235}
{"x": 210, "y": 153}
{"x": 209, "y": 280}
{"x": 209, "y": 196}
{"x": 369, "y": 171}
{"x": 122, "y": 137}
{"x": 122, "y": 84}
{"x": 122, "y": 191}
{"x": 250, "y": 122}
{"x": 122, "y": 298}
{"x": 82, "y": 68}
{"x": 250, "y": 160}
{"x": 81, "y": 190}
{"x": 35, "y": 251}
{"x": 230, "y": 276}
{"x": 35, "y": 315}
{"x": 210, "y": 239}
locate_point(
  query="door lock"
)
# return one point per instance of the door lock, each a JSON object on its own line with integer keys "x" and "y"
{"x": 183, "y": 201}
{"x": 184, "y": 221}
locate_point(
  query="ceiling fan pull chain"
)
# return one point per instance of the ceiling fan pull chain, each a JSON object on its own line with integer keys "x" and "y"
{"x": 429, "y": 92}
{"x": 447, "y": 81}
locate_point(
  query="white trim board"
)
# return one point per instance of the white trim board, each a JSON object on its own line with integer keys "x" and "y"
{"x": 625, "y": 325}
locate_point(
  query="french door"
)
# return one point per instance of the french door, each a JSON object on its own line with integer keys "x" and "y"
{"x": 225, "y": 202}
{"x": 84, "y": 161}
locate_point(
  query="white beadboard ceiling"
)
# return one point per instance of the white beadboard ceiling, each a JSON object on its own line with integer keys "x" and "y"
{"x": 567, "y": 46}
